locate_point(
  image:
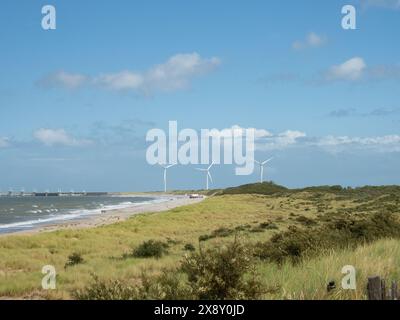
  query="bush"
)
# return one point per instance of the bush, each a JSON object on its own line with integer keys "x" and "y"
{"x": 106, "y": 290}
{"x": 222, "y": 233}
{"x": 243, "y": 227}
{"x": 265, "y": 188}
{"x": 74, "y": 259}
{"x": 224, "y": 273}
{"x": 217, "y": 274}
{"x": 150, "y": 249}
{"x": 268, "y": 226}
{"x": 189, "y": 247}
{"x": 167, "y": 286}
{"x": 264, "y": 226}
{"x": 205, "y": 237}
{"x": 218, "y": 233}
{"x": 295, "y": 243}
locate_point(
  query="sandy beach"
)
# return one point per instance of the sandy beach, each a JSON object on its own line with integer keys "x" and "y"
{"x": 113, "y": 216}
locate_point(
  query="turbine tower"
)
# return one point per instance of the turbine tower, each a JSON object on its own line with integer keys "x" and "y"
{"x": 165, "y": 174}
{"x": 208, "y": 174}
{"x": 262, "y": 164}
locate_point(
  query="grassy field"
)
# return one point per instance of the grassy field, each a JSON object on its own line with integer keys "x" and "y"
{"x": 255, "y": 217}
{"x": 309, "y": 279}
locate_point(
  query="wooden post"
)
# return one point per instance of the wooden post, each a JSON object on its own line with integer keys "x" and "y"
{"x": 394, "y": 291}
{"x": 374, "y": 288}
{"x": 383, "y": 289}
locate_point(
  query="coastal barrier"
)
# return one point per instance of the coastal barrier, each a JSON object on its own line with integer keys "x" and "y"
{"x": 53, "y": 194}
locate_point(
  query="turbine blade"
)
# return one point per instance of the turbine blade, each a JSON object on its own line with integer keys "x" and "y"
{"x": 266, "y": 161}
{"x": 209, "y": 175}
{"x": 212, "y": 163}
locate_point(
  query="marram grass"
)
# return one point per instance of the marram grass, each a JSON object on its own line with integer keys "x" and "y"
{"x": 23, "y": 256}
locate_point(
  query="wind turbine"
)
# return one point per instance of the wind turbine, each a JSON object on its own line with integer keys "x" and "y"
{"x": 165, "y": 174}
{"x": 208, "y": 174}
{"x": 262, "y": 164}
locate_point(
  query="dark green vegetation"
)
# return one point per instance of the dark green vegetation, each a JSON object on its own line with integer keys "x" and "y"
{"x": 267, "y": 188}
{"x": 247, "y": 228}
{"x": 189, "y": 247}
{"x": 150, "y": 249}
{"x": 341, "y": 232}
{"x": 74, "y": 259}
{"x": 210, "y": 274}
{"x": 270, "y": 188}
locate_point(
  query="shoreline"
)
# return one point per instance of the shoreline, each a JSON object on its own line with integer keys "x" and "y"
{"x": 111, "y": 216}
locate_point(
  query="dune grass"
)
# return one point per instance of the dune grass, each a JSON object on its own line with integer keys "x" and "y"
{"x": 309, "y": 279}
{"x": 105, "y": 250}
{"x": 23, "y": 256}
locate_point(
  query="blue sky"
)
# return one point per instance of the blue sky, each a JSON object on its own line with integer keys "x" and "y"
{"x": 76, "y": 102}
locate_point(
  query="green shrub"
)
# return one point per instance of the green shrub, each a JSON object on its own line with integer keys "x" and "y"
{"x": 74, "y": 259}
{"x": 343, "y": 232}
{"x": 106, "y": 290}
{"x": 264, "y": 226}
{"x": 150, "y": 249}
{"x": 172, "y": 242}
{"x": 243, "y": 227}
{"x": 222, "y": 233}
{"x": 265, "y": 188}
{"x": 218, "y": 233}
{"x": 268, "y": 226}
{"x": 189, "y": 247}
{"x": 205, "y": 237}
{"x": 169, "y": 285}
{"x": 223, "y": 273}
{"x": 217, "y": 274}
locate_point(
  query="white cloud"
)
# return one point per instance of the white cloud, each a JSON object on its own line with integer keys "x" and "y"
{"x": 4, "y": 142}
{"x": 261, "y": 133}
{"x": 387, "y": 143}
{"x": 238, "y": 130}
{"x": 280, "y": 141}
{"x": 52, "y": 137}
{"x": 175, "y": 74}
{"x": 350, "y": 70}
{"x": 330, "y": 143}
{"x": 312, "y": 40}
{"x": 63, "y": 79}
{"x": 124, "y": 80}
{"x": 258, "y": 133}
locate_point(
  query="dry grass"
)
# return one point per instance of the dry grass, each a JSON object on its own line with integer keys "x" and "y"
{"x": 309, "y": 279}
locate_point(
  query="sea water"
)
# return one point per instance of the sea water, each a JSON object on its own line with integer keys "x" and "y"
{"x": 29, "y": 212}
